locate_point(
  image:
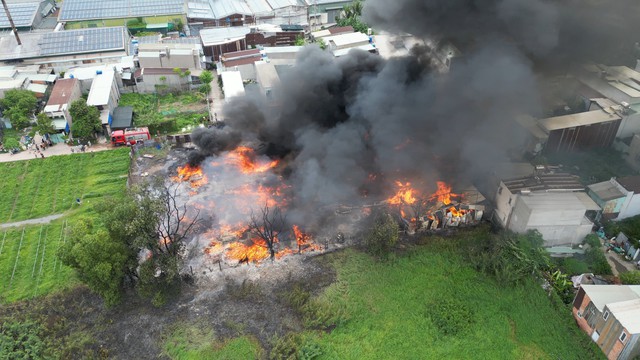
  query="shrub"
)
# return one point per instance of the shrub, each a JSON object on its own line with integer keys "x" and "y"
{"x": 293, "y": 346}
{"x": 450, "y": 316}
{"x": 11, "y": 143}
{"x": 630, "y": 278}
{"x": 573, "y": 266}
{"x": 21, "y": 340}
{"x": 382, "y": 236}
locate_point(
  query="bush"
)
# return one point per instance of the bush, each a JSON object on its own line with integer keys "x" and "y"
{"x": 11, "y": 143}
{"x": 450, "y": 316}
{"x": 573, "y": 266}
{"x": 21, "y": 340}
{"x": 293, "y": 346}
{"x": 630, "y": 278}
{"x": 383, "y": 235}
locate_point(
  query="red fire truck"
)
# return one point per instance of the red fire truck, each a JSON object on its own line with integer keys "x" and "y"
{"x": 130, "y": 136}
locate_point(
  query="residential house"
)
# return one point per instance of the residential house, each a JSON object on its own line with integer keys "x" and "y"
{"x": 334, "y": 30}
{"x": 104, "y": 95}
{"x": 621, "y": 86}
{"x": 267, "y": 78}
{"x": 29, "y": 77}
{"x": 123, "y": 67}
{"x": 61, "y": 49}
{"x": 170, "y": 56}
{"x": 341, "y": 44}
{"x": 65, "y": 91}
{"x": 554, "y": 204}
{"x": 610, "y": 196}
{"x": 610, "y": 315}
{"x": 241, "y": 61}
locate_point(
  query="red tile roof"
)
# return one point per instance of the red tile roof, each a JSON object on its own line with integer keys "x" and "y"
{"x": 61, "y": 92}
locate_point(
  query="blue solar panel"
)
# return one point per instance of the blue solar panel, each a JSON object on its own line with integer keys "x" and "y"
{"x": 76, "y": 10}
{"x": 21, "y": 14}
{"x": 84, "y": 40}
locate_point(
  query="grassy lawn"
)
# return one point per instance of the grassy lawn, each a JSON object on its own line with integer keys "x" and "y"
{"x": 388, "y": 307}
{"x": 28, "y": 263}
{"x": 167, "y": 113}
{"x": 192, "y": 342}
{"x": 430, "y": 304}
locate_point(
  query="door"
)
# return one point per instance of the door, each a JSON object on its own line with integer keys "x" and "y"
{"x": 595, "y": 336}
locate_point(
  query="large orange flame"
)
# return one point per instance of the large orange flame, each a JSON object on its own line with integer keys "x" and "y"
{"x": 404, "y": 196}
{"x": 255, "y": 252}
{"x": 443, "y": 194}
{"x": 304, "y": 240}
{"x": 245, "y": 159}
{"x": 192, "y": 174}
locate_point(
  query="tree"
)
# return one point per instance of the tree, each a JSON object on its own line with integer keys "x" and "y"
{"x": 44, "y": 125}
{"x": 19, "y": 106}
{"x": 351, "y": 15}
{"x": 86, "y": 120}
{"x": 183, "y": 74}
{"x": 267, "y": 225}
{"x": 383, "y": 235}
{"x": 300, "y": 41}
{"x": 205, "y": 79}
{"x": 630, "y": 277}
{"x": 99, "y": 259}
{"x": 321, "y": 43}
{"x": 149, "y": 221}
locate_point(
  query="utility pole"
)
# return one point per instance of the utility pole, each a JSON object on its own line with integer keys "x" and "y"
{"x": 13, "y": 26}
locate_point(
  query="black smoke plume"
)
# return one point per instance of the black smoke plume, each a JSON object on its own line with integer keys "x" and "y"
{"x": 352, "y": 126}
{"x": 212, "y": 141}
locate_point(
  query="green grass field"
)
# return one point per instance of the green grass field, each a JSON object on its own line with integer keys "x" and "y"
{"x": 390, "y": 311}
{"x": 28, "y": 263}
{"x": 193, "y": 343}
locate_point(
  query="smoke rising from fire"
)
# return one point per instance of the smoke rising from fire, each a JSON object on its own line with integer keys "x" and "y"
{"x": 340, "y": 121}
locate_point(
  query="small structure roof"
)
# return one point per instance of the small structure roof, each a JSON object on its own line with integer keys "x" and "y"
{"x": 122, "y": 118}
{"x": 628, "y": 314}
{"x": 544, "y": 182}
{"x": 267, "y": 75}
{"x": 232, "y": 84}
{"x": 78, "y": 10}
{"x": 548, "y": 201}
{"x": 579, "y": 119}
{"x": 343, "y": 52}
{"x": 631, "y": 183}
{"x": 217, "y": 36}
{"x": 159, "y": 71}
{"x": 101, "y": 88}
{"x": 62, "y": 90}
{"x": 59, "y": 124}
{"x": 22, "y": 14}
{"x": 606, "y": 190}
{"x": 37, "y": 88}
{"x": 602, "y": 295}
{"x": 346, "y": 39}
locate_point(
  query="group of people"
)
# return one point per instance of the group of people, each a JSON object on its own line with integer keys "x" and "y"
{"x": 38, "y": 149}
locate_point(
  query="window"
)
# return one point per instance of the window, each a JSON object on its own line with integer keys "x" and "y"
{"x": 605, "y": 316}
{"x": 509, "y": 201}
{"x": 500, "y": 189}
{"x": 623, "y": 336}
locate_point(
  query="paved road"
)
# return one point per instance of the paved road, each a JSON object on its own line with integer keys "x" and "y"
{"x": 618, "y": 264}
{"x": 55, "y": 150}
{"x": 42, "y": 220}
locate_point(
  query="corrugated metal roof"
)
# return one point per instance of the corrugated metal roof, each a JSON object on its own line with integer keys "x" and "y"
{"x": 544, "y": 182}
{"x": 223, "y": 35}
{"x": 59, "y": 124}
{"x": 579, "y": 119}
{"x": 266, "y": 75}
{"x": 62, "y": 90}
{"x": 343, "y": 52}
{"x": 77, "y": 10}
{"x": 37, "y": 88}
{"x": 602, "y": 295}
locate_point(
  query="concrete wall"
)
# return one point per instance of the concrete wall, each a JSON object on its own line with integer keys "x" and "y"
{"x": 505, "y": 201}
{"x": 630, "y": 125}
{"x": 173, "y": 82}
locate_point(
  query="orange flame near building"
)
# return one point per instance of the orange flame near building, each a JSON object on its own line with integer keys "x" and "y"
{"x": 405, "y": 195}
{"x": 244, "y": 158}
{"x": 443, "y": 194}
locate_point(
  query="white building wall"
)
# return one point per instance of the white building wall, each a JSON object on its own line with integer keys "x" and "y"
{"x": 630, "y": 207}
{"x": 629, "y": 125}
{"x": 505, "y": 201}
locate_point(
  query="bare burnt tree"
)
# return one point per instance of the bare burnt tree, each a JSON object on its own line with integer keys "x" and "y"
{"x": 267, "y": 224}
{"x": 419, "y": 208}
{"x": 174, "y": 225}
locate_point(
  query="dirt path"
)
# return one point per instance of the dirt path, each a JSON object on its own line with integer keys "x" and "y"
{"x": 42, "y": 220}
{"x": 56, "y": 150}
{"x": 617, "y": 264}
